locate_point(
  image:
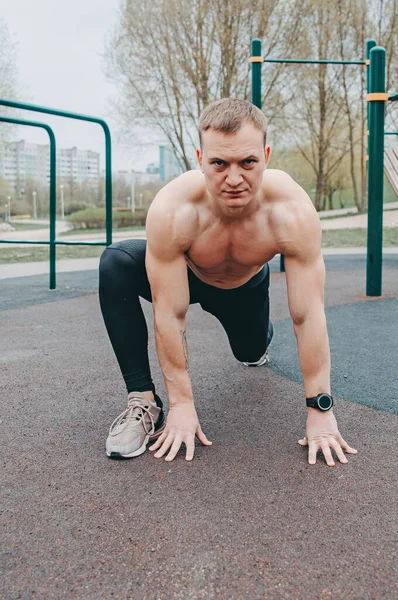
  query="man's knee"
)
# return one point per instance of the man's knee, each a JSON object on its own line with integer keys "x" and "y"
{"x": 253, "y": 349}
{"x": 116, "y": 268}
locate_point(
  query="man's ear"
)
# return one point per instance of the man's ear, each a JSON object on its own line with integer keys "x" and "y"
{"x": 267, "y": 154}
{"x": 199, "y": 157}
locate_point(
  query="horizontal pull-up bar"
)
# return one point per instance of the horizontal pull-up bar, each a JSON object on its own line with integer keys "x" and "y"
{"x": 253, "y": 59}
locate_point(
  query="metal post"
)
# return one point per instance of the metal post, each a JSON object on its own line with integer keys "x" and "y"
{"x": 9, "y": 208}
{"x": 53, "y": 210}
{"x": 132, "y": 191}
{"x": 377, "y": 98}
{"x": 61, "y": 189}
{"x": 34, "y": 205}
{"x": 256, "y": 73}
{"x": 369, "y": 45}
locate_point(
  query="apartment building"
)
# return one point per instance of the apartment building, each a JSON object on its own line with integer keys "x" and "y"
{"x": 20, "y": 161}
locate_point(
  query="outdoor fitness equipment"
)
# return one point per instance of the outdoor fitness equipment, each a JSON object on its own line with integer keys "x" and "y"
{"x": 376, "y": 98}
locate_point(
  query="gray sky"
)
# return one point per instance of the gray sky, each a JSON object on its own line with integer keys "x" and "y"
{"x": 59, "y": 66}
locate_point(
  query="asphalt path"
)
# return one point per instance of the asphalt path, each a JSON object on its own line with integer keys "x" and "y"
{"x": 248, "y": 518}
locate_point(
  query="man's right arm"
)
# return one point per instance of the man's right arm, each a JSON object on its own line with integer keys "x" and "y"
{"x": 167, "y": 274}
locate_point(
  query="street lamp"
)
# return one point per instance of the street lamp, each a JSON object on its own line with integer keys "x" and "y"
{"x": 132, "y": 191}
{"x": 34, "y": 205}
{"x": 61, "y": 187}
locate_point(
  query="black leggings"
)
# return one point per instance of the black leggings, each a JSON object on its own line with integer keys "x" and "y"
{"x": 243, "y": 311}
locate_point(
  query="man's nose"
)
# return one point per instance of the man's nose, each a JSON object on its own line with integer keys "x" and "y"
{"x": 234, "y": 178}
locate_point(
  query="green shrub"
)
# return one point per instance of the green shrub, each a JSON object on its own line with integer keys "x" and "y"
{"x": 94, "y": 218}
{"x": 74, "y": 207}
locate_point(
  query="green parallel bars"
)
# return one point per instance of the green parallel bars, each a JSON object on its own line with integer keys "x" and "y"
{"x": 108, "y": 150}
{"x": 53, "y": 172}
{"x": 377, "y": 102}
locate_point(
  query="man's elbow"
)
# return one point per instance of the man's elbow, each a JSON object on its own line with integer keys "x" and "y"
{"x": 313, "y": 315}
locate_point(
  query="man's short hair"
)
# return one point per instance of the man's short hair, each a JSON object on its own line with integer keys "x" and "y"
{"x": 228, "y": 115}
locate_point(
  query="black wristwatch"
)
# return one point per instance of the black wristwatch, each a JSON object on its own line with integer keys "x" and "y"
{"x": 323, "y": 402}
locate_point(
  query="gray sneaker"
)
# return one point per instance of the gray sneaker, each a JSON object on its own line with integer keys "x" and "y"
{"x": 131, "y": 431}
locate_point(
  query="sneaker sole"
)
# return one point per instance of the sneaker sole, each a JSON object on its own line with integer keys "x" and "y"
{"x": 139, "y": 451}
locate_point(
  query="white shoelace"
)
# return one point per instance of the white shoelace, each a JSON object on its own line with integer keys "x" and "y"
{"x": 135, "y": 410}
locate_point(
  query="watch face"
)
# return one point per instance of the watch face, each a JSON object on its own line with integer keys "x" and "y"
{"x": 324, "y": 402}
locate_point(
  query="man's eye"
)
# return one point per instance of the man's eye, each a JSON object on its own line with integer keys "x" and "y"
{"x": 249, "y": 161}
{"x": 218, "y": 163}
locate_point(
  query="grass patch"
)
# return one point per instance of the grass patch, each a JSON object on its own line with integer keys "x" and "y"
{"x": 83, "y": 231}
{"x": 26, "y": 226}
{"x": 354, "y": 238}
{"x": 38, "y": 254}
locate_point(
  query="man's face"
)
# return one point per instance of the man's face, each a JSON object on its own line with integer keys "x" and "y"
{"x": 233, "y": 164}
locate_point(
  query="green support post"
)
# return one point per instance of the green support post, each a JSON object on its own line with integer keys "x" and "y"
{"x": 377, "y": 99}
{"x": 369, "y": 45}
{"x": 256, "y": 72}
{"x": 257, "y": 94}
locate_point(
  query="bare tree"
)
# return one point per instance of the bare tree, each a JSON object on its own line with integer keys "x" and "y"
{"x": 170, "y": 58}
{"x": 8, "y": 75}
{"x": 316, "y": 114}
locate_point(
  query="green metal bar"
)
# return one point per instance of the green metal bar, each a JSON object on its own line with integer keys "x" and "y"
{"x": 56, "y": 243}
{"x": 369, "y": 45}
{"x": 393, "y": 98}
{"x": 376, "y": 174}
{"x": 391, "y": 133}
{"x": 257, "y": 99}
{"x": 256, "y": 74}
{"x": 108, "y": 150}
{"x": 313, "y": 62}
{"x": 62, "y": 243}
{"x": 53, "y": 200}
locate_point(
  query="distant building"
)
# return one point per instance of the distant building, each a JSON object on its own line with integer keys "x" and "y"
{"x": 20, "y": 161}
{"x": 153, "y": 169}
{"x": 136, "y": 177}
{"x": 169, "y": 164}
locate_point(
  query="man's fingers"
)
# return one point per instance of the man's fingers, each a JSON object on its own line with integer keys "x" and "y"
{"x": 346, "y": 447}
{"x": 339, "y": 452}
{"x": 190, "y": 445}
{"x": 312, "y": 450}
{"x": 327, "y": 453}
{"x": 174, "y": 449}
{"x": 165, "y": 446}
{"x": 303, "y": 441}
{"x": 202, "y": 438}
{"x": 158, "y": 442}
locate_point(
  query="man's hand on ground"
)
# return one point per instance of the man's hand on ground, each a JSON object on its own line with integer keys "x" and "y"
{"x": 182, "y": 425}
{"x": 322, "y": 434}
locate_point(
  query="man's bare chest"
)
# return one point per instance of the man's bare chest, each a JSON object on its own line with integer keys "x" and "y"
{"x": 232, "y": 248}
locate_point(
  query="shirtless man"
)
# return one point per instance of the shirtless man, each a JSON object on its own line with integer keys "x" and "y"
{"x": 210, "y": 235}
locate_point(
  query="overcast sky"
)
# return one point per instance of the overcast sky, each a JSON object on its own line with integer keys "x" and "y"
{"x": 59, "y": 63}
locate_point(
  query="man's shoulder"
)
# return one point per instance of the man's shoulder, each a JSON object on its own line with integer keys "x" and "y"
{"x": 186, "y": 186}
{"x": 180, "y": 195}
{"x": 292, "y": 215}
{"x": 173, "y": 212}
{"x": 279, "y": 185}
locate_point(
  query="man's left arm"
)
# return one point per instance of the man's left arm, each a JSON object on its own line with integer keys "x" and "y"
{"x": 305, "y": 275}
